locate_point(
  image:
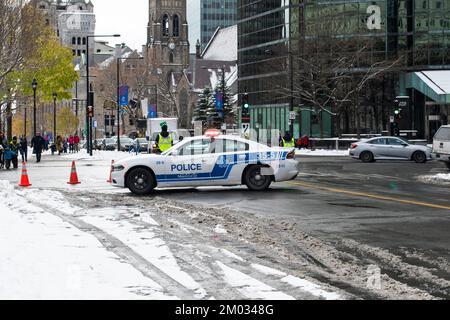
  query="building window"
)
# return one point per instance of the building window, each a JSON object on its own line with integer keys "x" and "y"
{"x": 79, "y": 40}
{"x": 165, "y": 25}
{"x": 84, "y": 41}
{"x": 74, "y": 40}
{"x": 171, "y": 57}
{"x": 79, "y": 53}
{"x": 176, "y": 26}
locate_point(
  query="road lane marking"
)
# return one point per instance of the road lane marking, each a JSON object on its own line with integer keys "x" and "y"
{"x": 369, "y": 195}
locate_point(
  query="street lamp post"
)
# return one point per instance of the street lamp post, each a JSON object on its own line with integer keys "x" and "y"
{"x": 89, "y": 138}
{"x": 34, "y": 85}
{"x": 118, "y": 95}
{"x": 55, "y": 95}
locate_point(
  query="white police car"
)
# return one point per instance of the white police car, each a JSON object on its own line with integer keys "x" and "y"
{"x": 210, "y": 160}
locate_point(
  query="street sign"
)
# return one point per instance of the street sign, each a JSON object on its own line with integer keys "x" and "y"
{"x": 94, "y": 124}
{"x": 292, "y": 115}
{"x": 392, "y": 119}
{"x": 123, "y": 90}
{"x": 245, "y": 127}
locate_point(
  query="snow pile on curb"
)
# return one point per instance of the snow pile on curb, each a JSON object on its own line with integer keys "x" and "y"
{"x": 440, "y": 178}
{"x": 322, "y": 153}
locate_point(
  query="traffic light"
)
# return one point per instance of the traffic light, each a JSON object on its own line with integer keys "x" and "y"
{"x": 90, "y": 111}
{"x": 245, "y": 108}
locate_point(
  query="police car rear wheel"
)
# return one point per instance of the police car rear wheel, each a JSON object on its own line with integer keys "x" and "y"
{"x": 255, "y": 180}
{"x": 140, "y": 181}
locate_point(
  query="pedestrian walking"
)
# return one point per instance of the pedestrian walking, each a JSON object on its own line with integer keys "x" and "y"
{"x": 12, "y": 154}
{"x": 46, "y": 142}
{"x": 65, "y": 145}
{"x": 24, "y": 148}
{"x": 71, "y": 144}
{"x": 3, "y": 145}
{"x": 38, "y": 144}
{"x": 76, "y": 141}
{"x": 59, "y": 145}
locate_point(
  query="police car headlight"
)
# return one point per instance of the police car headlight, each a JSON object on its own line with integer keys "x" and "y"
{"x": 117, "y": 167}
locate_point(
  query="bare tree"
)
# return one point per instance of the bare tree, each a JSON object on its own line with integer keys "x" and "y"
{"x": 330, "y": 69}
{"x": 19, "y": 31}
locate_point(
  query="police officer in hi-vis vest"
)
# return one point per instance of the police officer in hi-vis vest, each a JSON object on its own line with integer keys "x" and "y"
{"x": 287, "y": 141}
{"x": 164, "y": 141}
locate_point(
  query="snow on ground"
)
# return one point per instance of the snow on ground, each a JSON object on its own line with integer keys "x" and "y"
{"x": 149, "y": 246}
{"x": 310, "y": 287}
{"x": 440, "y": 178}
{"x": 250, "y": 287}
{"x": 322, "y": 153}
{"x": 43, "y": 257}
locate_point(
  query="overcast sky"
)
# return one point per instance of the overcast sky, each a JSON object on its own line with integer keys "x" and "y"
{"x": 128, "y": 18}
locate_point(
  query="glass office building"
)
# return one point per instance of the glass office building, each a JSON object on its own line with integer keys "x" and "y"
{"x": 214, "y": 14}
{"x": 274, "y": 33}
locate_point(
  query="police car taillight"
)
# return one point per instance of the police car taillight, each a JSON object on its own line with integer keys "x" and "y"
{"x": 291, "y": 155}
{"x": 212, "y": 133}
{"x": 354, "y": 146}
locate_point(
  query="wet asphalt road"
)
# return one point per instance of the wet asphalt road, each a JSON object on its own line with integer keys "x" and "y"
{"x": 322, "y": 202}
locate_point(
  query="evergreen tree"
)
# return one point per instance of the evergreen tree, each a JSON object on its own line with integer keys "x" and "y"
{"x": 228, "y": 112}
{"x": 204, "y": 106}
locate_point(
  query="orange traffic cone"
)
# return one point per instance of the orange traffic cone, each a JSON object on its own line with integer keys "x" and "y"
{"x": 73, "y": 175}
{"x": 24, "y": 182}
{"x": 110, "y": 173}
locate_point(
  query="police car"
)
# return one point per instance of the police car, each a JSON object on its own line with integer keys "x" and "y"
{"x": 209, "y": 160}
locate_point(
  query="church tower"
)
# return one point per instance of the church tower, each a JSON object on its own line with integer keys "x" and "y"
{"x": 167, "y": 36}
{"x": 167, "y": 52}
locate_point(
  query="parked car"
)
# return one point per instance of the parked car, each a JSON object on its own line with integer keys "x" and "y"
{"x": 441, "y": 145}
{"x": 389, "y": 148}
{"x": 110, "y": 144}
{"x": 126, "y": 143}
{"x": 98, "y": 144}
{"x": 143, "y": 144}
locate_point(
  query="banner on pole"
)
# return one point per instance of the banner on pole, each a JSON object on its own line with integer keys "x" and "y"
{"x": 123, "y": 91}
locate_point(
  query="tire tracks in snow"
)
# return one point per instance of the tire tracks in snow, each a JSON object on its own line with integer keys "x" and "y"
{"x": 124, "y": 252}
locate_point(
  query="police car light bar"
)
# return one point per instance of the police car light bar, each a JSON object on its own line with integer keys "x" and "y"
{"x": 212, "y": 133}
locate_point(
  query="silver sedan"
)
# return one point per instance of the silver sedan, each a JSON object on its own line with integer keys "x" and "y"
{"x": 389, "y": 148}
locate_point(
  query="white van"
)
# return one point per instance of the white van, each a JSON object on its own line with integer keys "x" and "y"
{"x": 441, "y": 145}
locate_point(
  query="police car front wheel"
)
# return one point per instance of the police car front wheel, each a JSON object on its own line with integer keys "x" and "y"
{"x": 140, "y": 181}
{"x": 255, "y": 180}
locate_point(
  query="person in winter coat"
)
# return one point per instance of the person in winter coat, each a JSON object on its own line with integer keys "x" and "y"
{"x": 71, "y": 144}
{"x": 3, "y": 145}
{"x": 164, "y": 141}
{"x": 76, "y": 141}
{"x": 59, "y": 145}
{"x": 24, "y": 148}
{"x": 38, "y": 144}
{"x": 287, "y": 141}
{"x": 14, "y": 147}
{"x": 65, "y": 145}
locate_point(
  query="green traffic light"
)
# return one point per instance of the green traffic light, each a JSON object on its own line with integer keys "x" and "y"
{"x": 246, "y": 106}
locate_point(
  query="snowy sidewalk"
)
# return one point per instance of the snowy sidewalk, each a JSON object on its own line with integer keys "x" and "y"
{"x": 43, "y": 257}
